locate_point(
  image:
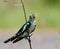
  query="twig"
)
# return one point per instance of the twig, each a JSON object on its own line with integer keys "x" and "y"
{"x": 26, "y": 22}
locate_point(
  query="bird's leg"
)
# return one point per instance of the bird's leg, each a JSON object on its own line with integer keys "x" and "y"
{"x": 27, "y": 37}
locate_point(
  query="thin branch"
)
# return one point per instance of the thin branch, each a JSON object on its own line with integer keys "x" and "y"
{"x": 24, "y": 11}
{"x": 26, "y": 22}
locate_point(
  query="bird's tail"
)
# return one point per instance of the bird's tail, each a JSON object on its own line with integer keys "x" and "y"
{"x": 6, "y": 41}
{"x": 10, "y": 39}
{"x": 18, "y": 39}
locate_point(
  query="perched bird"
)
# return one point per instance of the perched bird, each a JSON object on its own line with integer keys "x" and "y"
{"x": 25, "y": 31}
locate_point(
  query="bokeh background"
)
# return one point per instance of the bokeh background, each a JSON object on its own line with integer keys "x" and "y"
{"x": 47, "y": 33}
{"x": 47, "y": 13}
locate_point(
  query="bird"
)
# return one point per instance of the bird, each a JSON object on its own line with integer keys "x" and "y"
{"x": 25, "y": 31}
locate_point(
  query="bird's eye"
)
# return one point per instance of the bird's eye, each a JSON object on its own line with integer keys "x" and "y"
{"x": 34, "y": 17}
{"x": 30, "y": 18}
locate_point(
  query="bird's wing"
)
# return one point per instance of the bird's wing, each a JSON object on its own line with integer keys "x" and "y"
{"x": 20, "y": 30}
{"x": 24, "y": 28}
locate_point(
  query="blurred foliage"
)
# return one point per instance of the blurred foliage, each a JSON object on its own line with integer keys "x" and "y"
{"x": 51, "y": 2}
{"x": 47, "y": 13}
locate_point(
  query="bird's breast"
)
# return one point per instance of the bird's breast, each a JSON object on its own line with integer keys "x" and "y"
{"x": 32, "y": 27}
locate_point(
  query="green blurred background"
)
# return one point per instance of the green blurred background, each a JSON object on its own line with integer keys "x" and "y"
{"x": 47, "y": 13}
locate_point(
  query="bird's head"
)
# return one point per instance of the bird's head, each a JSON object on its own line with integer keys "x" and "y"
{"x": 32, "y": 17}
